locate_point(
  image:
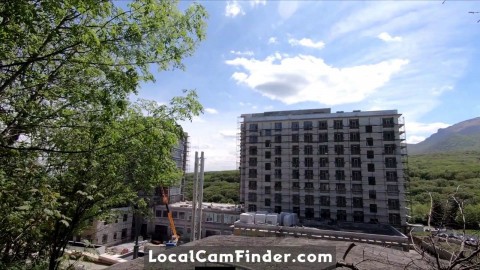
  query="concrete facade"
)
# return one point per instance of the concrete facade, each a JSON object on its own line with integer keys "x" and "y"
{"x": 218, "y": 219}
{"x": 344, "y": 166}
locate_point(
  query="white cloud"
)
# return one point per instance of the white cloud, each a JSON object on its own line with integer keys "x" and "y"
{"x": 272, "y": 40}
{"x": 254, "y": 3}
{"x": 287, "y": 8}
{"x": 228, "y": 133}
{"x": 307, "y": 78}
{"x": 306, "y": 42}
{"x": 233, "y": 9}
{"x": 415, "y": 139}
{"x": 198, "y": 119}
{"x": 245, "y": 53}
{"x": 388, "y": 38}
{"x": 437, "y": 91}
{"x": 211, "y": 111}
{"x": 417, "y": 132}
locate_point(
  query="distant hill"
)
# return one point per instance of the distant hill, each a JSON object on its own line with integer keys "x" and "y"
{"x": 463, "y": 136}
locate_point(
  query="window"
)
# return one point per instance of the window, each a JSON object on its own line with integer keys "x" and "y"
{"x": 341, "y": 201}
{"x": 389, "y": 149}
{"x": 253, "y": 127}
{"x": 394, "y": 219}
{"x": 295, "y": 174}
{"x": 252, "y": 161}
{"x": 309, "y": 200}
{"x": 268, "y": 143}
{"x": 278, "y": 126}
{"x": 308, "y": 162}
{"x": 295, "y": 138}
{"x": 338, "y": 149}
{"x": 268, "y": 132}
{"x": 322, "y": 149}
{"x": 181, "y": 215}
{"x": 268, "y": 154}
{"x": 115, "y": 236}
{"x": 372, "y": 194}
{"x": 278, "y": 162}
{"x": 124, "y": 233}
{"x": 322, "y": 124}
{"x": 252, "y": 185}
{"x": 278, "y": 186}
{"x": 355, "y": 149}
{"x": 267, "y": 202}
{"x": 371, "y": 167}
{"x": 340, "y": 188}
{"x": 278, "y": 138}
{"x": 354, "y": 123}
{"x": 338, "y": 137}
{"x": 295, "y": 126}
{"x": 371, "y": 180}
{"x": 388, "y": 122}
{"x": 308, "y": 174}
{"x": 125, "y": 217}
{"x": 309, "y": 213}
{"x": 392, "y": 189}
{"x": 278, "y": 198}
{"x": 339, "y": 162}
{"x": 392, "y": 176}
{"x": 354, "y": 136}
{"x": 295, "y": 150}
{"x": 341, "y": 215}
{"x": 268, "y": 166}
{"x": 268, "y": 190}
{"x": 390, "y": 162}
{"x": 324, "y": 200}
{"x": 357, "y": 188}
{"x": 296, "y": 210}
{"x": 296, "y": 199}
{"x": 356, "y": 175}
{"x": 357, "y": 202}
{"x": 368, "y": 129}
{"x": 295, "y": 162}
{"x": 307, "y": 125}
{"x": 356, "y": 163}
{"x": 308, "y": 137}
{"x": 308, "y": 150}
{"x": 389, "y": 136}
{"x": 295, "y": 185}
{"x": 393, "y": 204}
{"x": 252, "y": 208}
{"x": 267, "y": 177}
{"x": 252, "y": 197}
{"x": 278, "y": 173}
{"x": 324, "y": 187}
{"x": 323, "y": 175}
{"x": 369, "y": 141}
{"x": 323, "y": 162}
{"x": 325, "y": 213}
{"x": 370, "y": 154}
{"x": 337, "y": 124}
{"x": 253, "y": 139}
{"x": 277, "y": 209}
{"x": 358, "y": 216}
{"x": 158, "y": 213}
{"x": 309, "y": 185}
{"x": 323, "y": 137}
{"x": 252, "y": 150}
{"x": 252, "y": 173}
{"x": 339, "y": 175}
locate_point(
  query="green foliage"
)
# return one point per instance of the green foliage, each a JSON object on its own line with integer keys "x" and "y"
{"x": 71, "y": 145}
{"x": 222, "y": 186}
{"x": 445, "y": 174}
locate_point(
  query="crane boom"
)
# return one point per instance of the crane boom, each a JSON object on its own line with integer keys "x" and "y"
{"x": 175, "y": 237}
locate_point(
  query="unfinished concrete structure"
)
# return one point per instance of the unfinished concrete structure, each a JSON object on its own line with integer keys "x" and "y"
{"x": 343, "y": 166}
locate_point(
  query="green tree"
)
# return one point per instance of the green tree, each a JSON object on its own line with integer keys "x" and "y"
{"x": 71, "y": 147}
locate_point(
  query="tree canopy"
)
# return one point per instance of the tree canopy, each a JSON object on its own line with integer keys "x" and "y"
{"x": 71, "y": 144}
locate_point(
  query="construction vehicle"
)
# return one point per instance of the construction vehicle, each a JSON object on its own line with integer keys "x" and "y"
{"x": 173, "y": 242}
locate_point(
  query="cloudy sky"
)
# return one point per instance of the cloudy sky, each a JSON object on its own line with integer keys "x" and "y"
{"x": 421, "y": 58}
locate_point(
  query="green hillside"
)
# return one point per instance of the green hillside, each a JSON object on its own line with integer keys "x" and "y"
{"x": 220, "y": 186}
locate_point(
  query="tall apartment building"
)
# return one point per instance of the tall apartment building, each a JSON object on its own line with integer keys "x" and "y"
{"x": 344, "y": 166}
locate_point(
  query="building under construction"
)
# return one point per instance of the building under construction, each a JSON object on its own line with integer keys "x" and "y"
{"x": 335, "y": 167}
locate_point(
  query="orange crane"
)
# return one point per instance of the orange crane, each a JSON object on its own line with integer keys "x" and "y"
{"x": 175, "y": 237}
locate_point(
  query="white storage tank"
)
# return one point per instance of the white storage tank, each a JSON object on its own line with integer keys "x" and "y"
{"x": 272, "y": 219}
{"x": 281, "y": 217}
{"x": 290, "y": 220}
{"x": 260, "y": 218}
{"x": 247, "y": 218}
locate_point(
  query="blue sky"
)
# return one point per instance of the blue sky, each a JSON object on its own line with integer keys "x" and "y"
{"x": 418, "y": 57}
